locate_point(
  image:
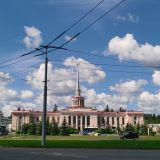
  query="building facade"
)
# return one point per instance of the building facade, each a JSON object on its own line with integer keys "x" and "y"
{"x": 79, "y": 116}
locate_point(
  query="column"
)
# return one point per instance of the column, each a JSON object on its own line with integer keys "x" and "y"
{"x": 85, "y": 121}
{"x": 71, "y": 121}
{"x": 81, "y": 125}
{"x": 76, "y": 122}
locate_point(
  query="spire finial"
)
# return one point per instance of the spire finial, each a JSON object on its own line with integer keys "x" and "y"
{"x": 78, "y": 91}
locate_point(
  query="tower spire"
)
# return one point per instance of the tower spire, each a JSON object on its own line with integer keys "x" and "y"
{"x": 78, "y": 91}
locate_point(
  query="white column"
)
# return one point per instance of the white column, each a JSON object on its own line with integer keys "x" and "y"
{"x": 71, "y": 121}
{"x": 81, "y": 123}
{"x": 76, "y": 122}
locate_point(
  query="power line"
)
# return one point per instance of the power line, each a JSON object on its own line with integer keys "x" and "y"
{"x": 75, "y": 23}
{"x": 70, "y": 27}
{"x": 86, "y": 28}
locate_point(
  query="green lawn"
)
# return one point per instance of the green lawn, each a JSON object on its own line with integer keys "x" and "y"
{"x": 145, "y": 142}
{"x": 72, "y": 137}
{"x": 117, "y": 144}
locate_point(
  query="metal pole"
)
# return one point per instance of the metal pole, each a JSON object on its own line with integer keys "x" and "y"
{"x": 44, "y": 102}
{"x": 22, "y": 121}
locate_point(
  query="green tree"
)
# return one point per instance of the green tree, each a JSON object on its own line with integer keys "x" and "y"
{"x": 25, "y": 128}
{"x": 129, "y": 128}
{"x": 32, "y": 129}
{"x": 55, "y": 108}
{"x": 72, "y": 130}
{"x": 64, "y": 131}
{"x": 54, "y": 130}
{"x": 143, "y": 130}
{"x": 39, "y": 128}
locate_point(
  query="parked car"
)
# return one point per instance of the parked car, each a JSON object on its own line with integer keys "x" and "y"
{"x": 129, "y": 135}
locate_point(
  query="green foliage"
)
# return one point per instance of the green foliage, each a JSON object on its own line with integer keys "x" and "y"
{"x": 18, "y": 131}
{"x": 54, "y": 130}
{"x": 25, "y": 128}
{"x": 152, "y": 119}
{"x": 64, "y": 130}
{"x": 32, "y": 129}
{"x": 39, "y": 128}
{"x": 72, "y": 130}
{"x": 101, "y": 130}
{"x": 143, "y": 130}
{"x": 129, "y": 128}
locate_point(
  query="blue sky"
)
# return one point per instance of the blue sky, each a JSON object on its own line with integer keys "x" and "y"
{"x": 127, "y": 37}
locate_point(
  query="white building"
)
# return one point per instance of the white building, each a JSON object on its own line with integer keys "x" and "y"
{"x": 79, "y": 116}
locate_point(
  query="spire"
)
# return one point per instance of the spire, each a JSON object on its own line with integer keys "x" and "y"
{"x": 78, "y": 91}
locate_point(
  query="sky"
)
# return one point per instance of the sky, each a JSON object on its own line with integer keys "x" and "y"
{"x": 119, "y": 55}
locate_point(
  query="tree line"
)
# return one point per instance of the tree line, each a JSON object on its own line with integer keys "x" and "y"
{"x": 51, "y": 129}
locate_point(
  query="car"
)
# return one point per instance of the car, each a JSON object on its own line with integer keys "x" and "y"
{"x": 129, "y": 135}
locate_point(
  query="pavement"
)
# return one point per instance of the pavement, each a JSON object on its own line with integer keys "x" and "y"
{"x": 77, "y": 154}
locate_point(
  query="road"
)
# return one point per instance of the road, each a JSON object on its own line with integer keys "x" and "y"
{"x": 78, "y": 154}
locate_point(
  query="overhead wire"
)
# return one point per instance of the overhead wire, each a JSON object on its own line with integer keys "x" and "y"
{"x": 69, "y": 28}
{"x": 86, "y": 28}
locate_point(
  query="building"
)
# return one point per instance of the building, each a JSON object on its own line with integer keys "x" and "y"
{"x": 5, "y": 122}
{"x": 79, "y": 116}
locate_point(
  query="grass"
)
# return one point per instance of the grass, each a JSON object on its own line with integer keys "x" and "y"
{"x": 145, "y": 142}
{"x": 114, "y": 144}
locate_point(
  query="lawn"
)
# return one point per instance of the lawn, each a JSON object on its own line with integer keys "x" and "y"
{"x": 145, "y": 142}
{"x": 116, "y": 144}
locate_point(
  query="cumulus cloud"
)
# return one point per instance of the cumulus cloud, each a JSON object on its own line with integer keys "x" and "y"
{"x": 130, "y": 87}
{"x": 127, "y": 48}
{"x": 27, "y": 94}
{"x": 149, "y": 103}
{"x": 13, "y": 105}
{"x": 88, "y": 72}
{"x": 102, "y": 99}
{"x": 5, "y": 78}
{"x": 156, "y": 78}
{"x": 67, "y": 38}
{"x": 63, "y": 80}
{"x": 33, "y": 37}
{"x": 130, "y": 18}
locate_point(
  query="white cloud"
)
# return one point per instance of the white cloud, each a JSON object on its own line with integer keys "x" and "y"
{"x": 127, "y": 48}
{"x": 88, "y": 72}
{"x": 156, "y": 78}
{"x": 5, "y": 78}
{"x": 130, "y": 18}
{"x": 67, "y": 38}
{"x": 33, "y": 37}
{"x": 7, "y": 94}
{"x": 27, "y": 94}
{"x": 102, "y": 99}
{"x": 149, "y": 103}
{"x": 13, "y": 105}
{"x": 63, "y": 80}
{"x": 130, "y": 87}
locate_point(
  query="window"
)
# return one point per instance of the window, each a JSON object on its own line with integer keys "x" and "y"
{"x": 117, "y": 121}
{"x": 123, "y": 120}
{"x": 83, "y": 120}
{"x": 74, "y": 120}
{"x": 135, "y": 120}
{"x": 112, "y": 120}
{"x": 69, "y": 120}
{"x": 108, "y": 120}
{"x": 88, "y": 120}
{"x": 79, "y": 120}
